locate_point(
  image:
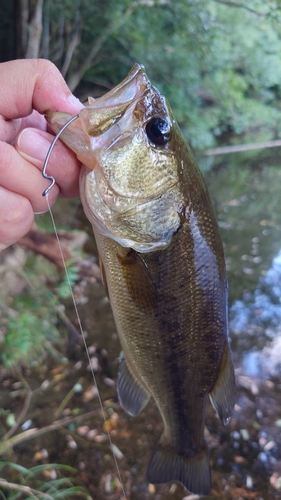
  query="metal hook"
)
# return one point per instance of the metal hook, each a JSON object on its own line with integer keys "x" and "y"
{"x": 45, "y": 175}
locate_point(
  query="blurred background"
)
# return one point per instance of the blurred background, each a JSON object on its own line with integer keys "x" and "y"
{"x": 218, "y": 63}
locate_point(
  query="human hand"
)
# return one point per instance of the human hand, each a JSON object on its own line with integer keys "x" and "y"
{"x": 28, "y": 89}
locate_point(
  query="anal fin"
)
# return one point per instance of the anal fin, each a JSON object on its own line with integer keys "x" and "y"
{"x": 132, "y": 395}
{"x": 222, "y": 395}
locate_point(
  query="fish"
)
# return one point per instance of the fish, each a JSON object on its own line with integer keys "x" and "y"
{"x": 163, "y": 267}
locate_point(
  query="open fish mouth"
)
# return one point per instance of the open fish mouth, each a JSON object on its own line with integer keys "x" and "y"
{"x": 135, "y": 83}
{"x": 87, "y": 132}
{"x": 102, "y": 114}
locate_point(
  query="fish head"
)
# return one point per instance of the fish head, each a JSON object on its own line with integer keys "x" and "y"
{"x": 130, "y": 181}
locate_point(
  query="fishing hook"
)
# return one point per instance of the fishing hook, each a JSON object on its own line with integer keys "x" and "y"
{"x": 45, "y": 175}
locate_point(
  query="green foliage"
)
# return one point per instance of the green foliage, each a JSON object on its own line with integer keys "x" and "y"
{"x": 32, "y": 326}
{"x": 218, "y": 65}
{"x": 22, "y": 344}
{"x": 30, "y": 483}
{"x": 217, "y": 62}
{"x": 72, "y": 275}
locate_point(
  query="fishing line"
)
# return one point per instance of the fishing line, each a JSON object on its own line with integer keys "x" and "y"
{"x": 46, "y": 194}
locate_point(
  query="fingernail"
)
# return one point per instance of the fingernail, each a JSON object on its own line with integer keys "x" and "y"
{"x": 74, "y": 101}
{"x": 33, "y": 145}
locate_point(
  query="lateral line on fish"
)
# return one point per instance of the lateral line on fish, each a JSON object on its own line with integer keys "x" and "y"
{"x": 85, "y": 344}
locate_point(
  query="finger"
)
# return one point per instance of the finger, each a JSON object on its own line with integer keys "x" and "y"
{"x": 9, "y": 129}
{"x": 16, "y": 217}
{"x": 41, "y": 87}
{"x": 21, "y": 177}
{"x": 33, "y": 145}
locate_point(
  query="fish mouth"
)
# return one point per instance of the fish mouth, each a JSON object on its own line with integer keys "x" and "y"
{"x": 98, "y": 119}
{"x": 94, "y": 128}
{"x": 129, "y": 89}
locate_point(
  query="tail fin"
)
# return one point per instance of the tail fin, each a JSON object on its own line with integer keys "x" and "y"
{"x": 192, "y": 471}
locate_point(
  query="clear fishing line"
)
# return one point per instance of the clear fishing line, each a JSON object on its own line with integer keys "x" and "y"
{"x": 46, "y": 194}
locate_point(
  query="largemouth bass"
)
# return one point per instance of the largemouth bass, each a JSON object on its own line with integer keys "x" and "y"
{"x": 163, "y": 267}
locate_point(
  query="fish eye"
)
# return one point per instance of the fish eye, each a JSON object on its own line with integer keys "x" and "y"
{"x": 158, "y": 131}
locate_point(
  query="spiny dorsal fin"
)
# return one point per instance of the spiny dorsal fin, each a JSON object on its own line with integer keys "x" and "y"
{"x": 132, "y": 396}
{"x": 222, "y": 395}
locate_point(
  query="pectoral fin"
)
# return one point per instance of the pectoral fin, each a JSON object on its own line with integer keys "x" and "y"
{"x": 222, "y": 395}
{"x": 138, "y": 280}
{"x": 103, "y": 276}
{"x": 132, "y": 396}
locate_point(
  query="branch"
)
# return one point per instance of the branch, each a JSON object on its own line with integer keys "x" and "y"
{"x": 24, "y": 7}
{"x": 20, "y": 417}
{"x": 74, "y": 41}
{"x": 240, "y": 5}
{"x": 31, "y": 433}
{"x": 58, "y": 43}
{"x": 46, "y": 31}
{"x": 225, "y": 150}
{"x": 21, "y": 15}
{"x": 35, "y": 32}
{"x": 66, "y": 399}
{"x": 99, "y": 42}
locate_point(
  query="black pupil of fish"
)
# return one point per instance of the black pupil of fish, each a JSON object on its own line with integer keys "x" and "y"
{"x": 158, "y": 131}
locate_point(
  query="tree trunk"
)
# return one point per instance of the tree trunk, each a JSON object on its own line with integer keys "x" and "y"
{"x": 46, "y": 30}
{"x": 74, "y": 41}
{"x": 35, "y": 32}
{"x": 21, "y": 15}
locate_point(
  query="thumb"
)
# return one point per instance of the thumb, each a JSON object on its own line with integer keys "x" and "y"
{"x": 33, "y": 145}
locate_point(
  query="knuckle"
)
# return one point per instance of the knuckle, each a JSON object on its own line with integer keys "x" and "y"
{"x": 48, "y": 69}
